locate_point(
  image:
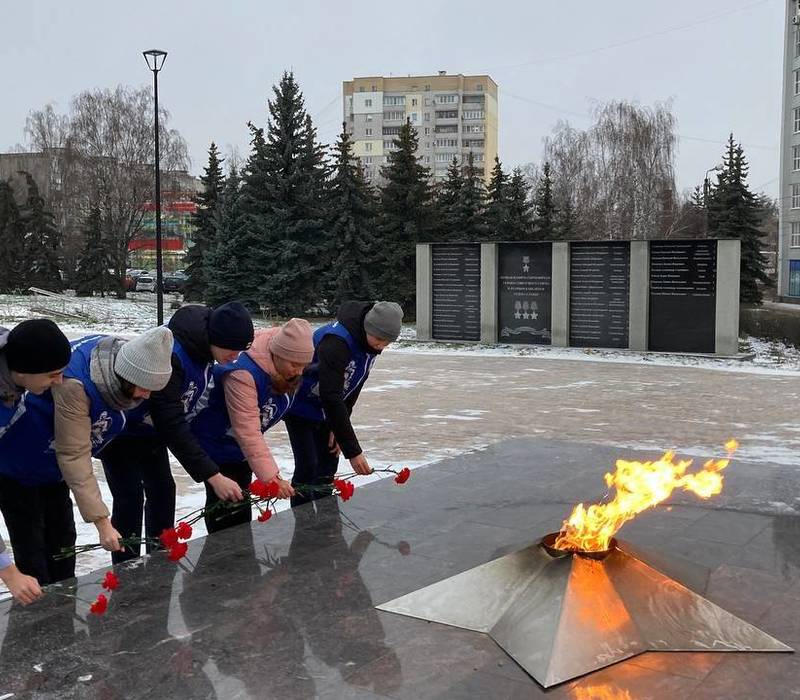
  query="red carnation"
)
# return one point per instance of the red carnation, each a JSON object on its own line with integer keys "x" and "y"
{"x": 402, "y": 475}
{"x": 345, "y": 489}
{"x": 178, "y": 551}
{"x": 273, "y": 489}
{"x": 99, "y": 606}
{"x": 169, "y": 537}
{"x": 259, "y": 488}
{"x": 265, "y": 515}
{"x": 111, "y": 581}
{"x": 184, "y": 531}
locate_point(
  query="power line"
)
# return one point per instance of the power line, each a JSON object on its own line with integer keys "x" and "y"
{"x": 627, "y": 42}
{"x": 587, "y": 116}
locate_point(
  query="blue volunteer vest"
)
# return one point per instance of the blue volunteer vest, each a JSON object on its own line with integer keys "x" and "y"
{"x": 212, "y": 424}
{"x": 196, "y": 377}
{"x": 307, "y": 403}
{"x": 27, "y": 448}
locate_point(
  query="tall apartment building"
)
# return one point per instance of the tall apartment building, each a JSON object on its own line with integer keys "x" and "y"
{"x": 789, "y": 198}
{"x": 453, "y": 115}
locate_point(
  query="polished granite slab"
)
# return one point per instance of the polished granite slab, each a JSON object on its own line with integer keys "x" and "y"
{"x": 285, "y": 609}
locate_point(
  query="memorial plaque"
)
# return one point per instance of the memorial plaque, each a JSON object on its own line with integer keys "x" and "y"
{"x": 456, "y": 289}
{"x": 683, "y": 283}
{"x": 524, "y": 299}
{"x": 599, "y": 294}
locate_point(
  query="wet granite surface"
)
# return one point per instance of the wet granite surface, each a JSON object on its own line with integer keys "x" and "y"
{"x": 285, "y": 609}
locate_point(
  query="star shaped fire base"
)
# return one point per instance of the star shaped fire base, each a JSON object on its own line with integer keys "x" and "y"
{"x": 562, "y": 614}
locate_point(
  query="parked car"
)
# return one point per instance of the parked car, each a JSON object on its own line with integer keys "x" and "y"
{"x": 174, "y": 281}
{"x": 145, "y": 283}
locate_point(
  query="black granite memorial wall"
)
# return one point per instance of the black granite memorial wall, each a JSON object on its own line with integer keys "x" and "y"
{"x": 524, "y": 298}
{"x": 599, "y": 294}
{"x": 682, "y": 315}
{"x": 456, "y": 291}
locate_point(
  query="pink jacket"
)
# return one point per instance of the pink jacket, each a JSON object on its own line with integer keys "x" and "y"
{"x": 241, "y": 398}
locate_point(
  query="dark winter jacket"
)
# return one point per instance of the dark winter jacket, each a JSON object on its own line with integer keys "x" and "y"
{"x": 189, "y": 325}
{"x": 333, "y": 356}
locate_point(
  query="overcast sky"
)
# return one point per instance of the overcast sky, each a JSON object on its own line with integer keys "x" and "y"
{"x": 719, "y": 62}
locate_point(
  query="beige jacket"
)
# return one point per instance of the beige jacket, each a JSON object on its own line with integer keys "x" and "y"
{"x": 73, "y": 428}
{"x": 241, "y": 397}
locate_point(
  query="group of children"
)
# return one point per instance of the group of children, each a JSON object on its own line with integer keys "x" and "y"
{"x": 205, "y": 387}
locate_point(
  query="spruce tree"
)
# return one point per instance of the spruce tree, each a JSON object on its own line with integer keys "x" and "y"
{"x": 293, "y": 258}
{"x": 242, "y": 238}
{"x": 94, "y": 262}
{"x": 565, "y": 220}
{"x": 350, "y": 224}
{"x": 468, "y": 223}
{"x": 544, "y": 223}
{"x": 520, "y": 216}
{"x": 12, "y": 242}
{"x": 497, "y": 203}
{"x": 226, "y": 252}
{"x": 404, "y": 219}
{"x": 203, "y": 223}
{"x": 734, "y": 212}
{"x": 445, "y": 203}
{"x": 42, "y": 241}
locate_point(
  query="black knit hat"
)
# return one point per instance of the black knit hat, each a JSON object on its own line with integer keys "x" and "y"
{"x": 36, "y": 347}
{"x": 231, "y": 327}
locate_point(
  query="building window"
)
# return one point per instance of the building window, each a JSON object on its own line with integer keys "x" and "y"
{"x": 479, "y": 86}
{"x": 427, "y": 88}
{"x": 389, "y": 145}
{"x": 446, "y": 99}
{"x": 374, "y": 89}
{"x": 391, "y": 130}
{"x": 795, "y": 157}
{"x": 367, "y": 160}
{"x": 796, "y": 196}
{"x": 427, "y": 101}
{"x": 368, "y": 103}
{"x": 413, "y": 101}
{"x": 414, "y": 117}
{"x": 473, "y": 114}
{"x": 394, "y": 115}
{"x": 796, "y": 43}
{"x": 472, "y": 129}
{"x": 368, "y": 132}
{"x": 794, "y": 242}
{"x": 446, "y": 129}
{"x": 394, "y": 100}
{"x": 427, "y": 116}
{"x": 367, "y": 117}
{"x": 368, "y": 146}
{"x": 446, "y": 143}
{"x": 427, "y": 159}
{"x": 447, "y": 114}
{"x": 361, "y": 89}
{"x": 794, "y": 278}
{"x": 444, "y": 157}
{"x": 427, "y": 130}
{"x": 797, "y": 82}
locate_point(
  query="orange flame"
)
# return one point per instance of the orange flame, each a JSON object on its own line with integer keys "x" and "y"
{"x": 639, "y": 486}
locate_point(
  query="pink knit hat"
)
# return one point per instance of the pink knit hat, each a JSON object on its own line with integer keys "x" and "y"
{"x": 293, "y": 341}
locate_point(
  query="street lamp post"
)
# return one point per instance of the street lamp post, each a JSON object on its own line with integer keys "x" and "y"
{"x": 707, "y": 185}
{"x": 155, "y": 61}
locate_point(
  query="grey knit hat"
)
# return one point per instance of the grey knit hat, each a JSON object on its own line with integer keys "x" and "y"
{"x": 146, "y": 361}
{"x": 384, "y": 320}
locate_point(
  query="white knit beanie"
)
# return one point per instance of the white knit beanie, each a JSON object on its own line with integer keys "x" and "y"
{"x": 146, "y": 361}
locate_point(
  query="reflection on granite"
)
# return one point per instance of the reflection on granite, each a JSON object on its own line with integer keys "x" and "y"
{"x": 285, "y": 609}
